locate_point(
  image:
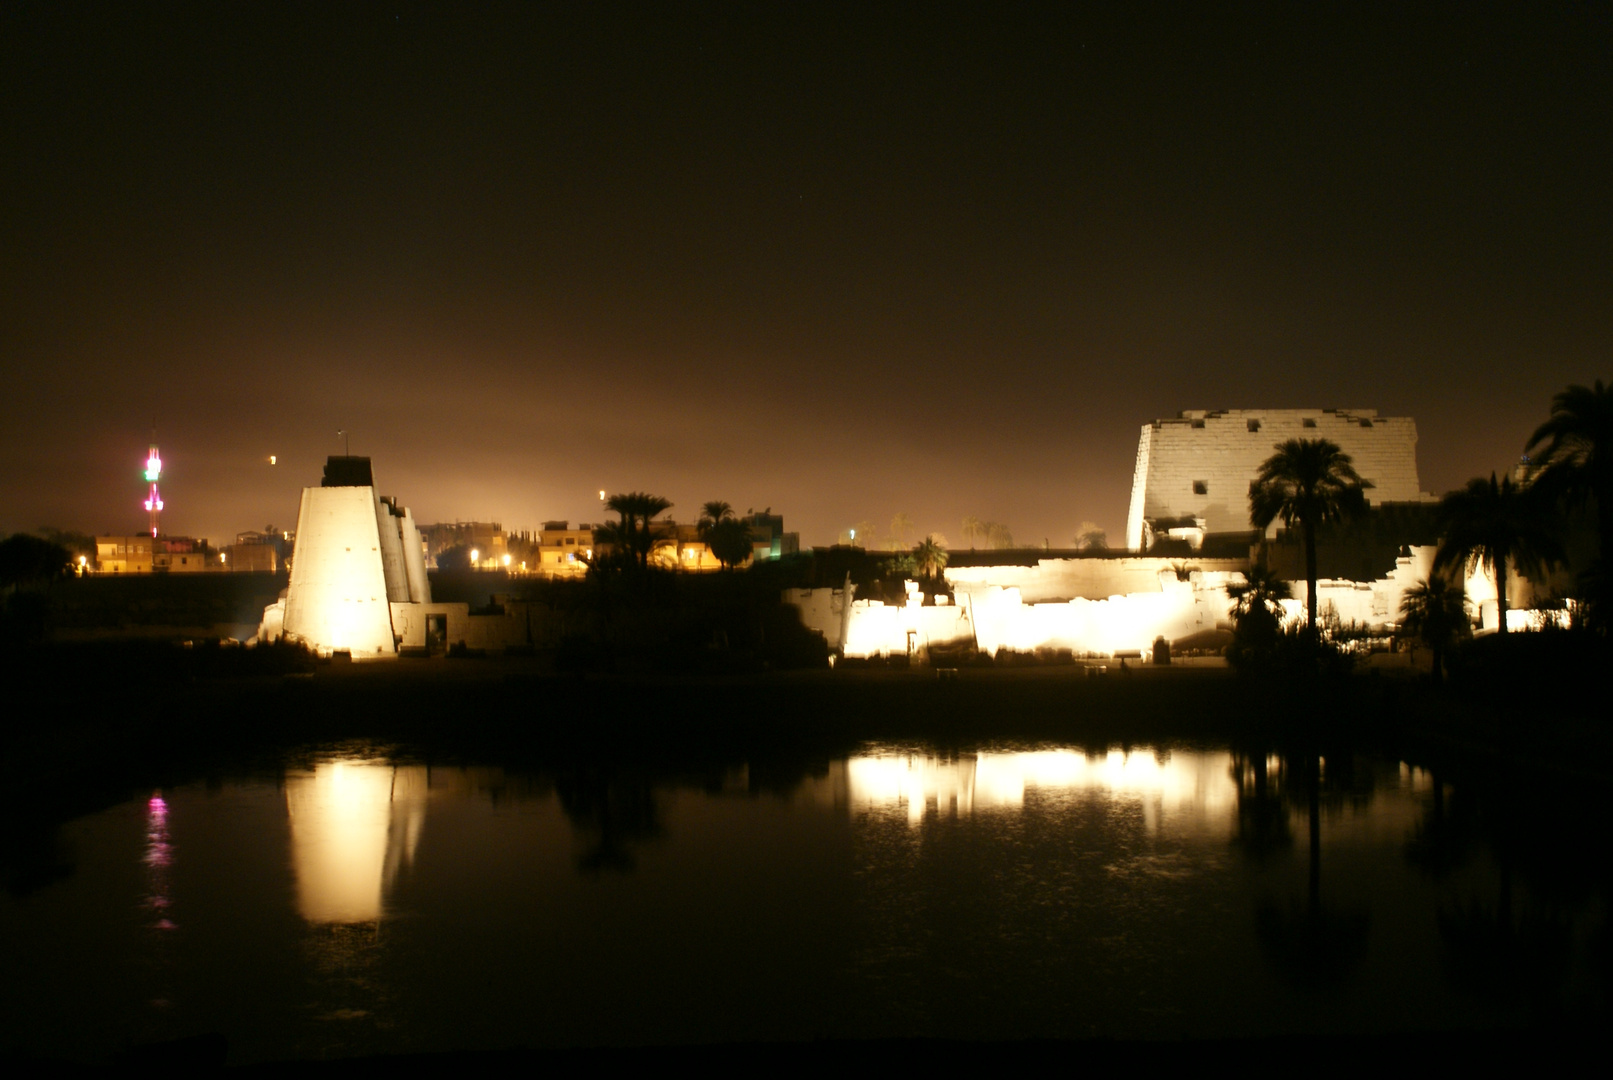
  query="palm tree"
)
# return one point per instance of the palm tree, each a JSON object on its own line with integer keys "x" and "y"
{"x": 636, "y": 509}
{"x": 999, "y": 536}
{"x": 1435, "y": 612}
{"x": 1091, "y": 538}
{"x": 1257, "y": 611}
{"x": 973, "y": 527}
{"x": 930, "y": 556}
{"x": 1310, "y": 482}
{"x": 1578, "y": 459}
{"x": 30, "y": 559}
{"x": 729, "y": 539}
{"x": 1260, "y": 591}
{"x": 711, "y": 514}
{"x": 1491, "y": 522}
{"x": 901, "y": 525}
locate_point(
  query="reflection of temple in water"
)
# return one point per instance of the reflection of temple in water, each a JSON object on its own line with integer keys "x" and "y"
{"x": 353, "y": 824}
{"x": 1190, "y": 785}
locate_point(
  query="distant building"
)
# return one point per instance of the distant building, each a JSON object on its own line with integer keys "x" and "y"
{"x": 183, "y": 555}
{"x": 768, "y": 538}
{"x": 558, "y": 550}
{"x": 1193, "y": 471}
{"x": 250, "y": 559}
{"x": 486, "y": 538}
{"x": 143, "y": 554}
{"x": 679, "y": 546}
{"x": 280, "y": 541}
{"x": 124, "y": 554}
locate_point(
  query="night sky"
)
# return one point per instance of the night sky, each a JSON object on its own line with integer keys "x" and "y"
{"x": 840, "y": 263}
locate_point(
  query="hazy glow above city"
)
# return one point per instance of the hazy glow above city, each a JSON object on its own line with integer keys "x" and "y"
{"x": 839, "y": 265}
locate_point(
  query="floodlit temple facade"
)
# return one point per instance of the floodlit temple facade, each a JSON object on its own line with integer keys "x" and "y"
{"x": 359, "y": 585}
{"x": 1192, "y": 481}
{"x": 357, "y": 568}
{"x": 1199, "y": 464}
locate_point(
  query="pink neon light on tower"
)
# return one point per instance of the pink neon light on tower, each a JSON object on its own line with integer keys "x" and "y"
{"x": 154, "y": 499}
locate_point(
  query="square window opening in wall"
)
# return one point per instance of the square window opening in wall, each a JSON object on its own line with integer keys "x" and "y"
{"x": 1201, "y": 487}
{"x": 1254, "y": 425}
{"x": 1307, "y": 422}
{"x": 1198, "y": 423}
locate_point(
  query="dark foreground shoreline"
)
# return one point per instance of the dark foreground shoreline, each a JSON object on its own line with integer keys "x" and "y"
{"x": 1322, "y": 1055}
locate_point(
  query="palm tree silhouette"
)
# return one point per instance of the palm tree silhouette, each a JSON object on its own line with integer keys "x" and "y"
{"x": 730, "y": 541}
{"x": 930, "y": 556}
{"x": 1259, "y": 596}
{"x": 901, "y": 525}
{"x": 1489, "y": 522}
{"x": 973, "y": 527}
{"x": 1435, "y": 613}
{"x": 1311, "y": 482}
{"x": 636, "y": 509}
{"x": 1577, "y": 462}
{"x": 711, "y": 514}
{"x": 725, "y": 536}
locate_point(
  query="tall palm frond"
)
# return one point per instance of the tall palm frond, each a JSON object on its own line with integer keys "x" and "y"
{"x": 1260, "y": 589}
{"x": 1435, "y": 612}
{"x": 973, "y": 527}
{"x": 1576, "y": 462}
{"x": 930, "y": 556}
{"x": 1309, "y": 483}
{"x": 636, "y": 509}
{"x": 711, "y": 514}
{"x": 730, "y": 541}
{"x": 901, "y": 526}
{"x": 1488, "y": 524}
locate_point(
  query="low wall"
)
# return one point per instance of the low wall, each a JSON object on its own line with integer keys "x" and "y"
{"x": 1060, "y": 604}
{"x": 489, "y": 633}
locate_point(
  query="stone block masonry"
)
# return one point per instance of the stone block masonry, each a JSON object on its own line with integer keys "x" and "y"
{"x": 1200, "y": 464}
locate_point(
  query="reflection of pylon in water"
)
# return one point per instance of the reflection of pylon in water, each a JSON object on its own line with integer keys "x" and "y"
{"x": 154, "y": 498}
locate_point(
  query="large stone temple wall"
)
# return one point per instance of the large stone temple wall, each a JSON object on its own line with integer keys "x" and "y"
{"x": 1065, "y": 604}
{"x": 1200, "y": 464}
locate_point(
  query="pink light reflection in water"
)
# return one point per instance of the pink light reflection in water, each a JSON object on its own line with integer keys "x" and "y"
{"x": 159, "y": 856}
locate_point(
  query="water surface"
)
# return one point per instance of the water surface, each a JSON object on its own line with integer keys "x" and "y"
{"x": 357, "y": 904}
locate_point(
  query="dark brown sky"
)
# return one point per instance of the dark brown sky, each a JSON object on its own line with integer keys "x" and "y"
{"x": 936, "y": 260}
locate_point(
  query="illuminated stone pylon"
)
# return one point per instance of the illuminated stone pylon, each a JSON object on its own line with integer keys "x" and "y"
{"x": 357, "y": 554}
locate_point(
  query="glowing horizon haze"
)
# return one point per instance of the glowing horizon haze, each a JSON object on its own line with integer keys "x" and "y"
{"x": 843, "y": 264}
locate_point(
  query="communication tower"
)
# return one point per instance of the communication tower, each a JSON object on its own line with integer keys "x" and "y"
{"x": 154, "y": 497}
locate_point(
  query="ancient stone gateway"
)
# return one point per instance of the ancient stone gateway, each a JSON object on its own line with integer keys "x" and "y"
{"x": 1199, "y": 464}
